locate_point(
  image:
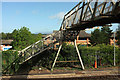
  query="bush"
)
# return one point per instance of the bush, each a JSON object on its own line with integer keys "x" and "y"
{"x": 9, "y": 57}
{"x": 104, "y": 53}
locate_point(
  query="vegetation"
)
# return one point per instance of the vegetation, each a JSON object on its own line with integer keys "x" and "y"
{"x": 118, "y": 35}
{"x": 101, "y": 36}
{"x": 8, "y": 58}
{"x": 6, "y": 35}
{"x": 104, "y": 53}
{"x": 22, "y": 38}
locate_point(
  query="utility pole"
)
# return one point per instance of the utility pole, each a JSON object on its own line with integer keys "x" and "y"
{"x": 114, "y": 49}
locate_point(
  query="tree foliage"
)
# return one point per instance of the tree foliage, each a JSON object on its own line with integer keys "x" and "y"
{"x": 104, "y": 53}
{"x": 105, "y": 57}
{"x": 23, "y": 38}
{"x": 6, "y": 35}
{"x": 101, "y": 36}
{"x": 118, "y": 35}
{"x": 7, "y": 59}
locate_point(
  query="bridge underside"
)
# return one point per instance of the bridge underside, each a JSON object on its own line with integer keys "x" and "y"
{"x": 101, "y": 21}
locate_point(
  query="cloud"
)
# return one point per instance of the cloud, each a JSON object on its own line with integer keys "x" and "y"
{"x": 59, "y": 16}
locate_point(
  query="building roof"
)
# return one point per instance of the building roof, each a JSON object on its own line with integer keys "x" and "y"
{"x": 83, "y": 34}
{"x": 6, "y": 41}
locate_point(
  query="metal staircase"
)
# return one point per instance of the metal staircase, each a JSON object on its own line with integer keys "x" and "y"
{"x": 39, "y": 46}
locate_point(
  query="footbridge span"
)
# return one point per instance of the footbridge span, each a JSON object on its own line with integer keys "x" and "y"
{"x": 85, "y": 14}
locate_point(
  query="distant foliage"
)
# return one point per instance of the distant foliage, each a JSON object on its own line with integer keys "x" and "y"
{"x": 36, "y": 37}
{"x": 6, "y": 36}
{"x": 101, "y": 36}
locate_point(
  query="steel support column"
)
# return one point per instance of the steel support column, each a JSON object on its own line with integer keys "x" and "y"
{"x": 79, "y": 55}
{"x": 56, "y": 57}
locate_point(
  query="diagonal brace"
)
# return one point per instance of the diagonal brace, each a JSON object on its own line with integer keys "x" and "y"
{"x": 56, "y": 57}
{"x": 79, "y": 55}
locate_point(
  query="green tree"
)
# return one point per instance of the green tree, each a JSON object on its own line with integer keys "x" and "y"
{"x": 95, "y": 37}
{"x": 118, "y": 35}
{"x": 101, "y": 36}
{"x": 6, "y": 36}
{"x": 3, "y": 35}
{"x": 106, "y": 35}
{"x": 37, "y": 37}
{"x": 22, "y": 38}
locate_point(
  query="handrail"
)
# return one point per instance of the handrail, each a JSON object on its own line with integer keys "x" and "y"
{"x": 102, "y": 7}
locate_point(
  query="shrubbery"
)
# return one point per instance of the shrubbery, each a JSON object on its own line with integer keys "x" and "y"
{"x": 104, "y": 53}
{"x": 8, "y": 58}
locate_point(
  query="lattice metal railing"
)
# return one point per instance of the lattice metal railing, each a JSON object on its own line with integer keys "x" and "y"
{"x": 34, "y": 49}
{"x": 87, "y": 11}
{"x": 39, "y": 46}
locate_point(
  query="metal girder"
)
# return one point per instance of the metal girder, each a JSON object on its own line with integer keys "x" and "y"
{"x": 56, "y": 57}
{"x": 95, "y": 8}
{"x": 81, "y": 15}
{"x": 84, "y": 14}
{"x": 75, "y": 14}
{"x": 80, "y": 59}
{"x": 86, "y": 10}
{"x": 103, "y": 7}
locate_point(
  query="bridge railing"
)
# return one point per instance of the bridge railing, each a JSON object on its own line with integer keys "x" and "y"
{"x": 33, "y": 50}
{"x": 86, "y": 11}
{"x": 40, "y": 46}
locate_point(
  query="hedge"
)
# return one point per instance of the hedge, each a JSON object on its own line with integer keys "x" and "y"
{"x": 104, "y": 53}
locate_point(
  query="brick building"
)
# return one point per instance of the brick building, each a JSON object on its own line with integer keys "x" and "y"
{"x": 83, "y": 39}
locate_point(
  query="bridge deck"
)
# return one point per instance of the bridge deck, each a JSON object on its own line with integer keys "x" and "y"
{"x": 99, "y": 21}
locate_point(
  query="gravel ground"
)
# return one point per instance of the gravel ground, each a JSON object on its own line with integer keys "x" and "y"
{"x": 110, "y": 73}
